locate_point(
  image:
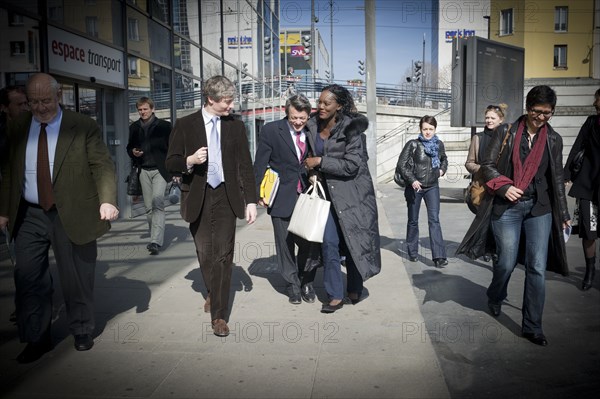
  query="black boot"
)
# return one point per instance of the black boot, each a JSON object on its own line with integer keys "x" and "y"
{"x": 590, "y": 271}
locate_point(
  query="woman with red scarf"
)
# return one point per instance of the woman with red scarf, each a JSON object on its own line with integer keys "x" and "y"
{"x": 527, "y": 212}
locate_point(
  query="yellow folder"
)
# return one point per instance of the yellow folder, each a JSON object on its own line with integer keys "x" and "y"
{"x": 269, "y": 186}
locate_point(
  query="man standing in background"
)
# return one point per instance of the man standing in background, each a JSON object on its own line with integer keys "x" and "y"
{"x": 13, "y": 102}
{"x": 147, "y": 147}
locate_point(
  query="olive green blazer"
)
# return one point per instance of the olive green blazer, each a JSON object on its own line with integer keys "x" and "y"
{"x": 83, "y": 176}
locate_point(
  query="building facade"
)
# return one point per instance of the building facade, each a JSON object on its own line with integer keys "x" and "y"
{"x": 108, "y": 53}
{"x": 561, "y": 38}
{"x": 454, "y": 19}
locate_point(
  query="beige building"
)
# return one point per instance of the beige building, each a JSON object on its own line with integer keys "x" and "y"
{"x": 560, "y": 37}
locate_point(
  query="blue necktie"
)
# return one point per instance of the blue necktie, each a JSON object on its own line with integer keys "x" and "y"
{"x": 214, "y": 156}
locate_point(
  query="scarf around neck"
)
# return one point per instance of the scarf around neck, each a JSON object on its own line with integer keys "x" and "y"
{"x": 431, "y": 149}
{"x": 523, "y": 173}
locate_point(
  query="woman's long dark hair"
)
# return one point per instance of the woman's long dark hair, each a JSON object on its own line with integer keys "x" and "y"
{"x": 342, "y": 97}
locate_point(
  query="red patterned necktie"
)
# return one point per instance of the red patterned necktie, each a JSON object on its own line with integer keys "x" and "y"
{"x": 300, "y": 144}
{"x": 44, "y": 180}
{"x": 302, "y": 148}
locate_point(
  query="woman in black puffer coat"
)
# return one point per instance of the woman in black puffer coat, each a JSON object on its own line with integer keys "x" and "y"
{"x": 339, "y": 158}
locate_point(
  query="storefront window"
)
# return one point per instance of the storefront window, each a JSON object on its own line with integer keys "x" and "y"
{"x": 234, "y": 40}
{"x": 68, "y": 97}
{"x": 99, "y": 19}
{"x": 21, "y": 38}
{"x": 187, "y": 56}
{"x": 26, "y": 5}
{"x": 185, "y": 19}
{"x": 160, "y": 10}
{"x": 147, "y": 38}
{"x": 188, "y": 95}
{"x": 211, "y": 26}
{"x": 211, "y": 66}
{"x": 160, "y": 43}
{"x": 152, "y": 81}
{"x": 137, "y": 33}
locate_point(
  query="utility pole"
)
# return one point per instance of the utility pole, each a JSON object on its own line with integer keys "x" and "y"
{"x": 331, "y": 34}
{"x": 313, "y": 43}
{"x": 371, "y": 82}
{"x": 423, "y": 77}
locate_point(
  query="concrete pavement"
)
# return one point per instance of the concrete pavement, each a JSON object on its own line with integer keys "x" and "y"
{"x": 422, "y": 333}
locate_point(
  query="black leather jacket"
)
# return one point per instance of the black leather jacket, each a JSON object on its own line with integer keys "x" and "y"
{"x": 414, "y": 164}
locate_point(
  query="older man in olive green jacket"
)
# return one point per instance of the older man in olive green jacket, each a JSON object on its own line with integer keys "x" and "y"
{"x": 59, "y": 190}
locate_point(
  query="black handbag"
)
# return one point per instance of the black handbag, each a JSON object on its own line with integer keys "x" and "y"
{"x": 399, "y": 180}
{"x": 576, "y": 164}
{"x": 134, "y": 188}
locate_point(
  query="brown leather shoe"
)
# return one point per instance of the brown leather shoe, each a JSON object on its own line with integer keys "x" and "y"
{"x": 220, "y": 328}
{"x": 207, "y": 304}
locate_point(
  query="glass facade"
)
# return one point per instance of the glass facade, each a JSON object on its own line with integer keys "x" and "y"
{"x": 108, "y": 53}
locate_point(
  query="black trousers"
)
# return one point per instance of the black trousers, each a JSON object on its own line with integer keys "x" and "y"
{"x": 290, "y": 265}
{"x": 37, "y": 231}
{"x": 214, "y": 236}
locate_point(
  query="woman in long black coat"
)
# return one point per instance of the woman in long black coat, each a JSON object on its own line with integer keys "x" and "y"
{"x": 585, "y": 189}
{"x": 339, "y": 157}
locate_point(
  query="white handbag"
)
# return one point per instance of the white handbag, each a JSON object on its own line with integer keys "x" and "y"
{"x": 310, "y": 214}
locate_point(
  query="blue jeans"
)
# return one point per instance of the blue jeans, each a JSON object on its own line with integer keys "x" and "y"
{"x": 517, "y": 220}
{"x": 333, "y": 278}
{"x": 431, "y": 195}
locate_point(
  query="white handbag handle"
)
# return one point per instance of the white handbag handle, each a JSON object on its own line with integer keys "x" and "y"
{"x": 315, "y": 189}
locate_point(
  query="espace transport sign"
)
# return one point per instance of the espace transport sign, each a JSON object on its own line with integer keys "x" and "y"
{"x": 84, "y": 59}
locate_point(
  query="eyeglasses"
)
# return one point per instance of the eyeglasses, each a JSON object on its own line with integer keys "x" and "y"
{"x": 45, "y": 102}
{"x": 536, "y": 112}
{"x": 494, "y": 107}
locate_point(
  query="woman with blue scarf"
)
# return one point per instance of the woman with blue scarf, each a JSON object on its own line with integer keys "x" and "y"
{"x": 421, "y": 163}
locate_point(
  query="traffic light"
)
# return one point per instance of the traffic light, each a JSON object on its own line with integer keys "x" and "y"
{"x": 244, "y": 70}
{"x": 267, "y": 47}
{"x": 307, "y": 43}
{"x": 327, "y": 75}
{"x": 361, "y": 67}
{"x": 418, "y": 72}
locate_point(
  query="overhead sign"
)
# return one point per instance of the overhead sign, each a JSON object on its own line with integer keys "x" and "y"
{"x": 297, "y": 51}
{"x": 239, "y": 41}
{"x": 84, "y": 59}
{"x": 460, "y": 34}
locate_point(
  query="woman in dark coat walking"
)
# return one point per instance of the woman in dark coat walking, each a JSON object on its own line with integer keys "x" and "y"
{"x": 585, "y": 189}
{"x": 339, "y": 157}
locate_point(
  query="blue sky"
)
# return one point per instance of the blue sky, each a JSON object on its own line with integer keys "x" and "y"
{"x": 399, "y": 35}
